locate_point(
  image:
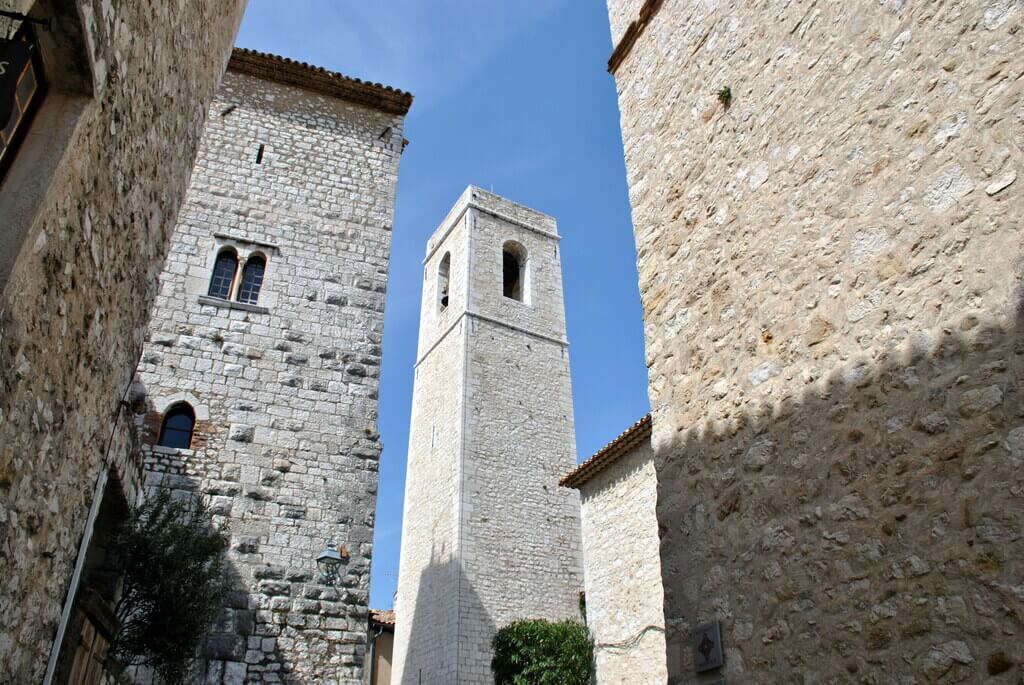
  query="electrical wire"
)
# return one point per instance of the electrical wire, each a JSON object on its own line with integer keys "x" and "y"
{"x": 631, "y": 641}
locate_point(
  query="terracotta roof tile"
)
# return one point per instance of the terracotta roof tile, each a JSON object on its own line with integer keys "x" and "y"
{"x": 384, "y": 616}
{"x": 310, "y": 77}
{"x": 607, "y": 455}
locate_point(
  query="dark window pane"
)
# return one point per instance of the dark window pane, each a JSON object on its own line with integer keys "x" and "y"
{"x": 252, "y": 279}
{"x": 510, "y": 273}
{"x": 179, "y": 422}
{"x": 223, "y": 275}
{"x": 176, "y": 430}
{"x": 176, "y": 439}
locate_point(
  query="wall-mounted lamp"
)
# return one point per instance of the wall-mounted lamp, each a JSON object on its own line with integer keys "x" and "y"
{"x": 329, "y": 562}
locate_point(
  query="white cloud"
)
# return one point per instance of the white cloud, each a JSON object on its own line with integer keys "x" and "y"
{"x": 428, "y": 47}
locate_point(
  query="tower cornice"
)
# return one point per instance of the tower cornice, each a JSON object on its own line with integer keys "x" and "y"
{"x": 464, "y": 205}
{"x": 481, "y": 317}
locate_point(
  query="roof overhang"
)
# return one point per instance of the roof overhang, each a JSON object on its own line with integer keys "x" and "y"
{"x": 317, "y": 79}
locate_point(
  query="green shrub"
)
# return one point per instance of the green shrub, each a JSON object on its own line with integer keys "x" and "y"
{"x": 175, "y": 583}
{"x": 725, "y": 96}
{"x": 539, "y": 652}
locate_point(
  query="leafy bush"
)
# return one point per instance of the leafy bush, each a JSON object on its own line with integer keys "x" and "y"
{"x": 539, "y": 652}
{"x": 175, "y": 583}
{"x": 725, "y": 96}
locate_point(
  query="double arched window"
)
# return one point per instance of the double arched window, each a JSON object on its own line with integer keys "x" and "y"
{"x": 177, "y": 426}
{"x": 225, "y": 271}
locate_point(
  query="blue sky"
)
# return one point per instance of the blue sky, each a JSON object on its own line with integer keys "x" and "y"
{"x": 512, "y": 97}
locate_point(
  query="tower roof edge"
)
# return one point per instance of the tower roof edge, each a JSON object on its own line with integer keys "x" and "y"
{"x": 475, "y": 197}
{"x": 301, "y": 75}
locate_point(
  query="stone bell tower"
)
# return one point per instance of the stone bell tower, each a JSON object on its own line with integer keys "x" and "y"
{"x": 488, "y": 536}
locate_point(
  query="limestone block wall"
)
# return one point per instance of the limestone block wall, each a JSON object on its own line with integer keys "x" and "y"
{"x": 830, "y": 269}
{"x": 426, "y": 609}
{"x": 520, "y": 546}
{"x": 88, "y": 207}
{"x": 622, "y": 568}
{"x": 285, "y": 391}
{"x": 488, "y": 536}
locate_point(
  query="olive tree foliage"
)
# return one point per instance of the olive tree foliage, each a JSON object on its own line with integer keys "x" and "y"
{"x": 174, "y": 584}
{"x": 539, "y": 652}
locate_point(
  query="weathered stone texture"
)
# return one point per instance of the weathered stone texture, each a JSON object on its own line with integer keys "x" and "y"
{"x": 622, "y": 568}
{"x": 830, "y": 270}
{"x": 285, "y": 391}
{"x": 621, "y": 14}
{"x": 488, "y": 536}
{"x": 88, "y": 239}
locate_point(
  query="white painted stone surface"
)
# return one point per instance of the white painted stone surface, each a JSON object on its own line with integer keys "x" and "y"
{"x": 488, "y": 536}
{"x": 622, "y": 568}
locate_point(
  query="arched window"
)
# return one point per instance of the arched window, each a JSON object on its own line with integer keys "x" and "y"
{"x": 252, "y": 279}
{"x": 176, "y": 429}
{"x": 513, "y": 270}
{"x": 223, "y": 274}
{"x": 442, "y": 280}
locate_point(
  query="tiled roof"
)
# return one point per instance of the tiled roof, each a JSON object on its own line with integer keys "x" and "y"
{"x": 290, "y": 72}
{"x": 384, "y": 616}
{"x": 607, "y": 455}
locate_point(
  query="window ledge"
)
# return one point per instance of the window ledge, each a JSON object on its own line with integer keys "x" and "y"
{"x": 511, "y": 300}
{"x": 162, "y": 449}
{"x": 246, "y": 241}
{"x": 242, "y": 306}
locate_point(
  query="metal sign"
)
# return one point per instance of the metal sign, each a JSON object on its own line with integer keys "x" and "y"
{"x": 707, "y": 646}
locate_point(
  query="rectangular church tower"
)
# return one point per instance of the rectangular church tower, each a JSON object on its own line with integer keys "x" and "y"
{"x": 488, "y": 536}
{"x": 261, "y": 367}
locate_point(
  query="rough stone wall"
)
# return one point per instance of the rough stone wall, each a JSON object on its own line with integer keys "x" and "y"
{"x": 285, "y": 392}
{"x": 622, "y": 568}
{"x": 76, "y": 299}
{"x": 492, "y": 391}
{"x": 830, "y": 270}
{"x": 620, "y": 14}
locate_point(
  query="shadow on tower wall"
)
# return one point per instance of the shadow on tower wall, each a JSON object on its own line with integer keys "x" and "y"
{"x": 447, "y": 606}
{"x": 865, "y": 528}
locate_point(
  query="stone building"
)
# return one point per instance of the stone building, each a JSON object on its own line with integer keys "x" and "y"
{"x": 488, "y": 536}
{"x": 621, "y": 562}
{"x": 105, "y": 110}
{"x": 380, "y": 648}
{"x": 826, "y": 206}
{"x": 261, "y": 367}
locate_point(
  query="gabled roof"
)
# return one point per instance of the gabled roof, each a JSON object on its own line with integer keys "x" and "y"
{"x": 289, "y": 72}
{"x": 607, "y": 455}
